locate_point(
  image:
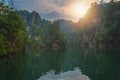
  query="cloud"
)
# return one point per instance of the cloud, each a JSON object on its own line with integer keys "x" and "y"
{"x": 49, "y": 9}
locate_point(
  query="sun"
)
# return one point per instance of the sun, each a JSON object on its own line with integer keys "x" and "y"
{"x": 79, "y": 10}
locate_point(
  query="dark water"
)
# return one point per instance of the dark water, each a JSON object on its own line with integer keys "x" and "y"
{"x": 96, "y": 64}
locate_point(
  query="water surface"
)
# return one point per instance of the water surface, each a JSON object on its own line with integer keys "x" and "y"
{"x": 44, "y": 64}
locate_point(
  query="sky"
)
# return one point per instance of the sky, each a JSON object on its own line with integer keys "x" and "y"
{"x": 51, "y": 9}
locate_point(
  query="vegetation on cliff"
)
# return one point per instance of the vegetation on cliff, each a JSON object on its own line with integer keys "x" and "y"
{"x": 13, "y": 37}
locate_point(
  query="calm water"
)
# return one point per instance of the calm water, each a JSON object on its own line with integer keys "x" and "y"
{"x": 68, "y": 64}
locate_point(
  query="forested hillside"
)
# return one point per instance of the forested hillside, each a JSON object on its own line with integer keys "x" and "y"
{"x": 100, "y": 27}
{"x": 18, "y": 29}
{"x": 70, "y": 31}
{"x": 42, "y": 33}
{"x": 13, "y": 37}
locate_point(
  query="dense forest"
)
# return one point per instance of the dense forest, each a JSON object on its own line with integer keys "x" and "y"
{"x": 101, "y": 25}
{"x": 99, "y": 28}
{"x": 13, "y": 37}
{"x": 42, "y": 33}
{"x": 19, "y": 29}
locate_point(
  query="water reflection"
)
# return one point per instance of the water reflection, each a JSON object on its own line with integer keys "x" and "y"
{"x": 69, "y": 75}
{"x": 11, "y": 69}
{"x": 45, "y": 60}
{"x": 97, "y": 64}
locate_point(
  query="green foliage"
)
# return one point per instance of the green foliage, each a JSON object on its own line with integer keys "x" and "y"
{"x": 42, "y": 33}
{"x": 13, "y": 37}
{"x": 3, "y": 45}
{"x": 54, "y": 34}
{"x": 101, "y": 25}
{"x": 112, "y": 23}
{"x": 4, "y": 9}
{"x": 3, "y": 19}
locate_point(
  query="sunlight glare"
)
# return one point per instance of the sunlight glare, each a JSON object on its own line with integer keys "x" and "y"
{"x": 80, "y": 10}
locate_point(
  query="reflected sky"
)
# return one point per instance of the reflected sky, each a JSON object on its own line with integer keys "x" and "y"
{"x": 69, "y": 75}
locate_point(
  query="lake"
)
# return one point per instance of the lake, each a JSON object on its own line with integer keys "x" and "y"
{"x": 65, "y": 64}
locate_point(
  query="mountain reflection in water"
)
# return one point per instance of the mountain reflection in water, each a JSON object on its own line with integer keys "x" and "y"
{"x": 97, "y": 64}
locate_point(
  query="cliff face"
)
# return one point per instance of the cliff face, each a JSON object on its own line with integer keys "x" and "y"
{"x": 31, "y": 18}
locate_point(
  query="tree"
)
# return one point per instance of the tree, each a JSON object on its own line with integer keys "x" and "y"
{"x": 17, "y": 35}
{"x": 13, "y": 37}
{"x": 54, "y": 35}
